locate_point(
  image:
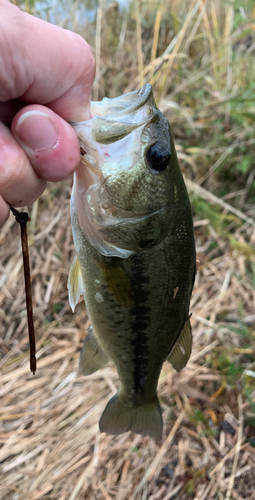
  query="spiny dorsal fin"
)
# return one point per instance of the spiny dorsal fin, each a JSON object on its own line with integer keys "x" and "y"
{"x": 75, "y": 284}
{"x": 180, "y": 353}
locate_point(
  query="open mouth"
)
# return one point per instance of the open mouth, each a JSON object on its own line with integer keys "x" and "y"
{"x": 113, "y": 120}
{"x": 110, "y": 143}
{"x": 124, "y": 104}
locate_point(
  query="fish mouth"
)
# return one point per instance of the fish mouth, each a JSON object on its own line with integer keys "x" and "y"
{"x": 110, "y": 144}
{"x": 113, "y": 120}
{"x": 110, "y": 140}
{"x": 124, "y": 104}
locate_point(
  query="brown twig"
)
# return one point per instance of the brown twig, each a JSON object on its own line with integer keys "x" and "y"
{"x": 22, "y": 218}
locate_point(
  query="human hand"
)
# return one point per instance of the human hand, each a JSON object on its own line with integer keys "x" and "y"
{"x": 45, "y": 79}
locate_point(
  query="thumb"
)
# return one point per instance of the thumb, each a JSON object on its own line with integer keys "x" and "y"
{"x": 49, "y": 142}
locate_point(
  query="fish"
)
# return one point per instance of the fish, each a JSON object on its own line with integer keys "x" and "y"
{"x": 135, "y": 259}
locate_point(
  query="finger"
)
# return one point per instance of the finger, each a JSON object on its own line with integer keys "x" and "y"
{"x": 43, "y": 63}
{"x": 19, "y": 183}
{"x": 4, "y": 211}
{"x": 49, "y": 142}
{"x": 8, "y": 110}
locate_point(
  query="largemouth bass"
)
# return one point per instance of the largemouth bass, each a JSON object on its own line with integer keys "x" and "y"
{"x": 135, "y": 264}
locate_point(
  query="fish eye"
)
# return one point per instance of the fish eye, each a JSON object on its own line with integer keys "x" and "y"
{"x": 158, "y": 157}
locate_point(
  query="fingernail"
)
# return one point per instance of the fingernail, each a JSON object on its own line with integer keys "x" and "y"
{"x": 36, "y": 130}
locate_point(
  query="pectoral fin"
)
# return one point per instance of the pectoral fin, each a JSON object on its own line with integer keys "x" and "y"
{"x": 118, "y": 283}
{"x": 180, "y": 353}
{"x": 75, "y": 284}
{"x": 92, "y": 356}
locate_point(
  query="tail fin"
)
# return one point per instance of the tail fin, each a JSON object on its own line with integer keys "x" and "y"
{"x": 119, "y": 416}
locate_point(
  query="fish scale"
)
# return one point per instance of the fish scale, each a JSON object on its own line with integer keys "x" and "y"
{"x": 135, "y": 259}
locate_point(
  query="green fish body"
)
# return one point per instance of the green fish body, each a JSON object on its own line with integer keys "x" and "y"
{"x": 135, "y": 264}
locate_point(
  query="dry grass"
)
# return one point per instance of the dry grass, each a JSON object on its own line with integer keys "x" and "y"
{"x": 50, "y": 445}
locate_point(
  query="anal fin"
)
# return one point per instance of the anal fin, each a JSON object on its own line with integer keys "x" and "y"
{"x": 92, "y": 356}
{"x": 180, "y": 353}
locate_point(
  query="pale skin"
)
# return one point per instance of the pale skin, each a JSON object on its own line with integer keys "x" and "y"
{"x": 45, "y": 81}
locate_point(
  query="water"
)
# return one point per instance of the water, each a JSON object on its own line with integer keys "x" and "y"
{"x": 73, "y": 14}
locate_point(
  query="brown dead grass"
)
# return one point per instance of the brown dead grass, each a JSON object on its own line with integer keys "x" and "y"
{"x": 51, "y": 447}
